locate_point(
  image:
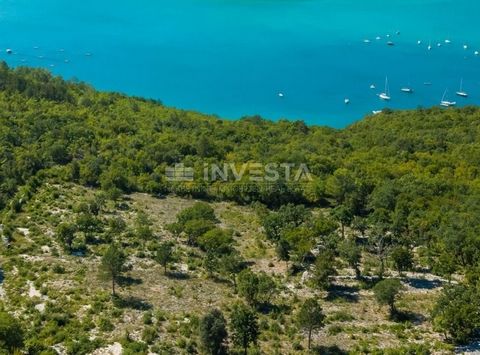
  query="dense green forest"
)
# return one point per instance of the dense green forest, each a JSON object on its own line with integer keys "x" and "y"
{"x": 399, "y": 188}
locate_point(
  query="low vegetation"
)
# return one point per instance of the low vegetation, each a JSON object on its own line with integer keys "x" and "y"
{"x": 377, "y": 252}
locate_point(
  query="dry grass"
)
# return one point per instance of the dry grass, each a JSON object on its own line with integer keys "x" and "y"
{"x": 356, "y": 319}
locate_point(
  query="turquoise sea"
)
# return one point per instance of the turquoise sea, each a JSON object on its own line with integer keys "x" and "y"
{"x": 234, "y": 57}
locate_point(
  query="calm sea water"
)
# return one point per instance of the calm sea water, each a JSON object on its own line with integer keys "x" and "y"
{"x": 233, "y": 57}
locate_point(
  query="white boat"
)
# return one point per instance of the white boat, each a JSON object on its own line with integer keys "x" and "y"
{"x": 429, "y": 46}
{"x": 465, "y": 47}
{"x": 366, "y": 41}
{"x": 390, "y": 43}
{"x": 347, "y": 101}
{"x": 372, "y": 86}
{"x": 378, "y": 38}
{"x": 407, "y": 90}
{"x": 446, "y": 103}
{"x": 477, "y": 53}
{"x": 376, "y": 112}
{"x": 447, "y": 41}
{"x": 461, "y": 92}
{"x": 439, "y": 44}
{"x": 281, "y": 94}
{"x": 419, "y": 42}
{"x": 386, "y": 94}
{"x": 9, "y": 51}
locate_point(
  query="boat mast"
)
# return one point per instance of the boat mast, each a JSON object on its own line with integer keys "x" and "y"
{"x": 444, "y": 94}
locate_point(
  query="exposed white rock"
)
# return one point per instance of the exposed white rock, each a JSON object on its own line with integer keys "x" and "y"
{"x": 40, "y": 307}
{"x": 24, "y": 231}
{"x": 32, "y": 291}
{"x": 114, "y": 349}
{"x": 305, "y": 276}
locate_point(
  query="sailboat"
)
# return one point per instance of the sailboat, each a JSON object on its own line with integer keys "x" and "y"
{"x": 446, "y": 103}
{"x": 461, "y": 92}
{"x": 386, "y": 94}
{"x": 407, "y": 89}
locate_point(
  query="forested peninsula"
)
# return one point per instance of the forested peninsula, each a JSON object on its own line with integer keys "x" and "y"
{"x": 378, "y": 251}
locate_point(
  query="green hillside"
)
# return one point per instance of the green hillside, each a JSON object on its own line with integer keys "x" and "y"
{"x": 101, "y": 247}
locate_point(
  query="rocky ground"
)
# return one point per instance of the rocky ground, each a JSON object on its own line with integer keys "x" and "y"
{"x": 38, "y": 274}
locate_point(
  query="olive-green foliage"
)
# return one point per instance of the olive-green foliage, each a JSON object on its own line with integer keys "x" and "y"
{"x": 352, "y": 254}
{"x": 324, "y": 269}
{"x": 456, "y": 313}
{"x": 231, "y": 265}
{"x": 301, "y": 241}
{"x": 11, "y": 333}
{"x": 217, "y": 241}
{"x": 402, "y": 257}
{"x": 283, "y": 250}
{"x": 199, "y": 211}
{"x": 288, "y": 216}
{"x": 255, "y": 288}
{"x": 213, "y": 332}
{"x": 408, "y": 178}
{"x": 164, "y": 254}
{"x": 310, "y": 317}
{"x": 112, "y": 265}
{"x": 386, "y": 292}
{"x": 195, "y": 228}
{"x": 244, "y": 326}
{"x": 66, "y": 234}
{"x": 324, "y": 225}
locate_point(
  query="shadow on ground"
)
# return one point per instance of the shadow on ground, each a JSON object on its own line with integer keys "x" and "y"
{"x": 129, "y": 281}
{"x": 131, "y": 302}
{"x": 423, "y": 284}
{"x": 347, "y": 293}
{"x": 328, "y": 350}
{"x": 178, "y": 275}
{"x": 407, "y": 316}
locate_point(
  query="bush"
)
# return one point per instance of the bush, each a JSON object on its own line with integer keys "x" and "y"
{"x": 105, "y": 325}
{"x": 217, "y": 241}
{"x": 386, "y": 292}
{"x": 149, "y": 334}
{"x": 456, "y": 313}
{"x": 199, "y": 211}
{"x": 11, "y": 333}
